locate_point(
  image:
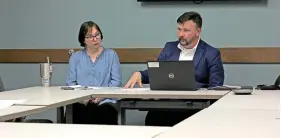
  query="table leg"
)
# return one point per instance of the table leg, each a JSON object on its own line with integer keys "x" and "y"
{"x": 122, "y": 116}
{"x": 60, "y": 114}
{"x": 69, "y": 114}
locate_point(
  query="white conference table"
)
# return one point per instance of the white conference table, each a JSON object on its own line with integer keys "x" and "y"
{"x": 47, "y": 96}
{"x": 13, "y": 112}
{"x": 233, "y": 116}
{"x": 146, "y": 93}
{"x": 33, "y": 130}
{"x": 244, "y": 118}
{"x": 54, "y": 97}
{"x": 227, "y": 123}
{"x": 144, "y": 99}
{"x": 259, "y": 99}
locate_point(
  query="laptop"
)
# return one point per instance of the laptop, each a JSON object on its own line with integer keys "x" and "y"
{"x": 171, "y": 75}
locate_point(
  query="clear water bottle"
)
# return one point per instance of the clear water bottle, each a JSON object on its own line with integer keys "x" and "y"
{"x": 46, "y": 73}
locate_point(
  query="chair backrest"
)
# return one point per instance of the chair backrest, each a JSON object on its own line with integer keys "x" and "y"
{"x": 277, "y": 82}
{"x": 275, "y": 86}
{"x": 1, "y": 85}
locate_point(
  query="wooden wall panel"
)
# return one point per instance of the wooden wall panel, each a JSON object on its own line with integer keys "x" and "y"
{"x": 251, "y": 55}
{"x": 267, "y": 55}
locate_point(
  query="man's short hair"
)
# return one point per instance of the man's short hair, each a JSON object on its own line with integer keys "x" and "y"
{"x": 193, "y": 16}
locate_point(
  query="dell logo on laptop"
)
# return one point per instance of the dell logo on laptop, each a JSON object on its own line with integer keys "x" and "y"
{"x": 171, "y": 75}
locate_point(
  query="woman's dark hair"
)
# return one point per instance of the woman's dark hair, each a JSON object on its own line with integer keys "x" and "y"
{"x": 85, "y": 27}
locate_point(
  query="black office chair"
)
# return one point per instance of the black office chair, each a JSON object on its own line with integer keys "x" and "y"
{"x": 275, "y": 86}
{"x": 277, "y": 83}
{"x": 38, "y": 121}
{"x": 22, "y": 119}
{"x": 1, "y": 85}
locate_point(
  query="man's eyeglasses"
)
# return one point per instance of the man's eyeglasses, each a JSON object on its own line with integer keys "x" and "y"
{"x": 90, "y": 36}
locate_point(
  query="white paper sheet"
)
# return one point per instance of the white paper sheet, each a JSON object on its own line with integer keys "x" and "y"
{"x": 94, "y": 88}
{"x": 232, "y": 86}
{"x": 7, "y": 103}
{"x": 136, "y": 89}
{"x": 77, "y": 87}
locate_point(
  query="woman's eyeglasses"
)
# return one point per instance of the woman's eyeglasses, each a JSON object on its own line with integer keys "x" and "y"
{"x": 90, "y": 36}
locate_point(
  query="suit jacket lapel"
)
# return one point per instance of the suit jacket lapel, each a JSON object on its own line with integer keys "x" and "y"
{"x": 175, "y": 52}
{"x": 198, "y": 53}
{"x": 176, "y": 55}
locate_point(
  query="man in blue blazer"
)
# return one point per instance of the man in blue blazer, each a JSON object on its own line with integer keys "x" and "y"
{"x": 208, "y": 66}
{"x": 209, "y": 71}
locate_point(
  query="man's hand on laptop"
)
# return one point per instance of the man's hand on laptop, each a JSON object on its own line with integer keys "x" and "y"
{"x": 135, "y": 78}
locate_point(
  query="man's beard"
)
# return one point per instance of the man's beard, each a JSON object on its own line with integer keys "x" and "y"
{"x": 188, "y": 44}
{"x": 185, "y": 43}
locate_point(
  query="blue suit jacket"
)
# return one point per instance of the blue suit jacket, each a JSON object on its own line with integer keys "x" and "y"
{"x": 209, "y": 71}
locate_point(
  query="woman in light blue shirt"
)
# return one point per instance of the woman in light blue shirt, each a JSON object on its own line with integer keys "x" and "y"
{"x": 95, "y": 66}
